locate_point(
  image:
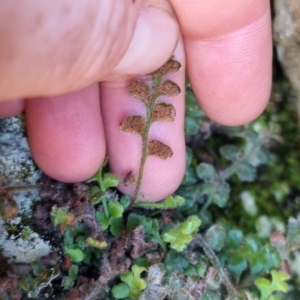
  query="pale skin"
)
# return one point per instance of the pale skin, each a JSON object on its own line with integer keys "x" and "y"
{"x": 68, "y": 65}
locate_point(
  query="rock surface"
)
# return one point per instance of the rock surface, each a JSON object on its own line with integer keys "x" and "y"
{"x": 18, "y": 168}
{"x": 287, "y": 41}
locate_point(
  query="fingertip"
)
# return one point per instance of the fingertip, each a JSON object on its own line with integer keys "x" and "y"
{"x": 231, "y": 75}
{"x": 66, "y": 134}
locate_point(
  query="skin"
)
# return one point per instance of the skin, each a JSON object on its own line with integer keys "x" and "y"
{"x": 55, "y": 54}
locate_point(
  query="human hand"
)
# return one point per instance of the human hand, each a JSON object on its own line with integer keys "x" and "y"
{"x": 55, "y": 48}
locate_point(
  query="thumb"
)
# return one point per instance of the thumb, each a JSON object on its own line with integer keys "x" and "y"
{"x": 53, "y": 47}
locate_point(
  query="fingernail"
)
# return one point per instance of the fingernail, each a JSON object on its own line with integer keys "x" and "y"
{"x": 153, "y": 42}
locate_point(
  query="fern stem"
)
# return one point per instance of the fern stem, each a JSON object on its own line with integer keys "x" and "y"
{"x": 18, "y": 188}
{"x": 200, "y": 241}
{"x": 149, "y": 109}
{"x": 144, "y": 154}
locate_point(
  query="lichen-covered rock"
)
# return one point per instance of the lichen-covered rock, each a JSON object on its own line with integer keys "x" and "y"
{"x": 18, "y": 168}
{"x": 287, "y": 39}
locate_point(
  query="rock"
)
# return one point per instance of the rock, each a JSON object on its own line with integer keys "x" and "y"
{"x": 287, "y": 41}
{"x": 18, "y": 168}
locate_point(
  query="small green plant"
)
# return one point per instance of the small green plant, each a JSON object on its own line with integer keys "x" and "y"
{"x": 68, "y": 281}
{"x": 183, "y": 233}
{"x": 61, "y": 216}
{"x": 112, "y": 218}
{"x": 80, "y": 247}
{"x": 132, "y": 284}
{"x": 41, "y": 277}
{"x": 268, "y": 288}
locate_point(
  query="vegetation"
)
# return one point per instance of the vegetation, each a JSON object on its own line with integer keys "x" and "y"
{"x": 232, "y": 230}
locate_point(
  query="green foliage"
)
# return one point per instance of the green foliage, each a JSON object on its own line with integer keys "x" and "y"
{"x": 191, "y": 125}
{"x": 267, "y": 287}
{"x": 150, "y": 226}
{"x": 39, "y": 278}
{"x": 293, "y": 233}
{"x": 113, "y": 218}
{"x": 68, "y": 281}
{"x": 169, "y": 203}
{"x": 61, "y": 216}
{"x": 179, "y": 262}
{"x": 215, "y": 237}
{"x": 106, "y": 181}
{"x": 80, "y": 247}
{"x": 132, "y": 285}
{"x": 216, "y": 190}
{"x": 242, "y": 252}
{"x": 183, "y": 233}
{"x": 76, "y": 255}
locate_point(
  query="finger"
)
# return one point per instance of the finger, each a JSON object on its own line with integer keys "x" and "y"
{"x": 11, "y": 108}
{"x": 138, "y": 59}
{"x": 161, "y": 177}
{"x": 50, "y": 48}
{"x": 66, "y": 134}
{"x": 229, "y": 56}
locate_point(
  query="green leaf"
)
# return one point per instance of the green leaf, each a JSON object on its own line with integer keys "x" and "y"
{"x": 96, "y": 243}
{"x": 293, "y": 234}
{"x": 116, "y": 226}
{"x": 115, "y": 209}
{"x": 236, "y": 265}
{"x": 230, "y": 152}
{"x": 220, "y": 195}
{"x": 189, "y": 177}
{"x": 246, "y": 172}
{"x": 110, "y": 180}
{"x": 219, "y": 200}
{"x": 80, "y": 242}
{"x": 134, "y": 281}
{"x": 120, "y": 291}
{"x": 234, "y": 239}
{"x": 215, "y": 237}
{"x": 206, "y": 172}
{"x": 207, "y": 189}
{"x": 68, "y": 238}
{"x": 95, "y": 195}
{"x": 264, "y": 286}
{"x": 73, "y": 272}
{"x": 61, "y": 216}
{"x": 191, "y": 125}
{"x": 189, "y": 156}
{"x": 278, "y": 284}
{"x": 183, "y": 233}
{"x": 67, "y": 282}
{"x": 176, "y": 261}
{"x": 37, "y": 268}
{"x": 125, "y": 201}
{"x": 100, "y": 217}
{"x": 169, "y": 203}
{"x": 76, "y": 255}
